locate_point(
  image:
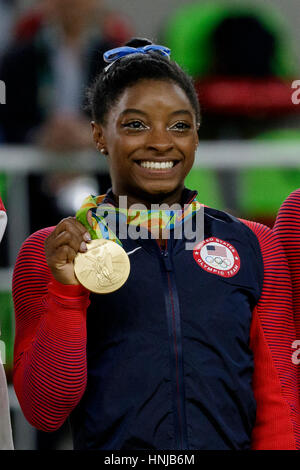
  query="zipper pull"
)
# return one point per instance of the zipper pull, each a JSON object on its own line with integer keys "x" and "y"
{"x": 167, "y": 261}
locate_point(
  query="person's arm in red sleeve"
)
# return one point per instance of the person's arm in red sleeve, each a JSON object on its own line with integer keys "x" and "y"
{"x": 287, "y": 228}
{"x": 272, "y": 335}
{"x": 50, "y": 342}
{"x": 3, "y": 219}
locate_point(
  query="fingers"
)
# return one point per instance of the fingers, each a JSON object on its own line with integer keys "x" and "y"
{"x": 65, "y": 255}
{"x": 72, "y": 239}
{"x": 70, "y": 224}
{"x": 70, "y": 235}
{"x": 61, "y": 247}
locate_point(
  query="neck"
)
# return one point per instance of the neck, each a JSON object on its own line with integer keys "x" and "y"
{"x": 149, "y": 199}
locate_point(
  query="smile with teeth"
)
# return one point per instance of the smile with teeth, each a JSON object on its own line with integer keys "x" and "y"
{"x": 157, "y": 165}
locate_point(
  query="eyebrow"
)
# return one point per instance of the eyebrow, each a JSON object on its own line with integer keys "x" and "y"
{"x": 182, "y": 111}
{"x": 138, "y": 111}
{"x": 132, "y": 110}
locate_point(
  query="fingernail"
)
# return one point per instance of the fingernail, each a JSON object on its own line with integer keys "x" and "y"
{"x": 83, "y": 246}
{"x": 87, "y": 237}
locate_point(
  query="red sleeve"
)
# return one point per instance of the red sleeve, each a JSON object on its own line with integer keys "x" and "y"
{"x": 287, "y": 228}
{"x": 2, "y": 208}
{"x": 272, "y": 335}
{"x": 50, "y": 342}
{"x": 3, "y": 219}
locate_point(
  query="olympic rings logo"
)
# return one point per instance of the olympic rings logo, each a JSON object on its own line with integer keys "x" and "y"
{"x": 223, "y": 263}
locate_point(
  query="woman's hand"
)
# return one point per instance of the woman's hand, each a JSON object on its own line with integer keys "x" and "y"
{"x": 67, "y": 239}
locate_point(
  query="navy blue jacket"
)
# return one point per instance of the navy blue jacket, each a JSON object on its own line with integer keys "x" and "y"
{"x": 190, "y": 353}
{"x": 169, "y": 362}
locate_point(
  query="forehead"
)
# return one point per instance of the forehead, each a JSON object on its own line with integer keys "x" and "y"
{"x": 150, "y": 95}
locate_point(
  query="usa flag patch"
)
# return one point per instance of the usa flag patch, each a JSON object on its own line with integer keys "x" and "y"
{"x": 217, "y": 256}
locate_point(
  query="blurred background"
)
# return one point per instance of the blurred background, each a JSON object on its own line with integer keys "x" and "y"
{"x": 244, "y": 57}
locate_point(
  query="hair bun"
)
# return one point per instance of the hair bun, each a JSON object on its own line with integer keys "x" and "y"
{"x": 138, "y": 42}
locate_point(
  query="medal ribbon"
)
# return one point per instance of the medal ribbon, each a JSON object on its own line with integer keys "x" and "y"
{"x": 95, "y": 224}
{"x": 98, "y": 227}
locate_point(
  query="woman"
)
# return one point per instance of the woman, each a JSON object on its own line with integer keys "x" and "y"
{"x": 193, "y": 351}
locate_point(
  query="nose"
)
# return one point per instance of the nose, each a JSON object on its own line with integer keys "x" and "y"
{"x": 160, "y": 140}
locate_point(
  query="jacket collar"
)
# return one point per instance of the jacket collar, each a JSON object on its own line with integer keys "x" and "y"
{"x": 187, "y": 197}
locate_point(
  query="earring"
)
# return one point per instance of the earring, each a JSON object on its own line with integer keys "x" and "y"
{"x": 102, "y": 150}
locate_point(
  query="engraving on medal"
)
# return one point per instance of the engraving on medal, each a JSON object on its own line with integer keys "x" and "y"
{"x": 103, "y": 268}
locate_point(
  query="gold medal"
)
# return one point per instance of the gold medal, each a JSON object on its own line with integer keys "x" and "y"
{"x": 103, "y": 268}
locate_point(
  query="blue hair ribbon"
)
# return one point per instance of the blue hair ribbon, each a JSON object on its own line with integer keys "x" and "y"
{"x": 114, "y": 54}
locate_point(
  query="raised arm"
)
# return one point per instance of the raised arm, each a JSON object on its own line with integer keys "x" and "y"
{"x": 50, "y": 343}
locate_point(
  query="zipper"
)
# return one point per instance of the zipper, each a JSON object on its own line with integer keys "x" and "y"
{"x": 174, "y": 328}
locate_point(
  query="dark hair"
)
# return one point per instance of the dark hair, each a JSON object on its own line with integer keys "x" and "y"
{"x": 127, "y": 71}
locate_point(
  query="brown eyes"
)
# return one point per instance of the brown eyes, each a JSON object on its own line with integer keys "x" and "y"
{"x": 136, "y": 125}
{"x": 179, "y": 126}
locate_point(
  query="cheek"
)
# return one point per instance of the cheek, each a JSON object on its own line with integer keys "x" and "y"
{"x": 118, "y": 159}
{"x": 123, "y": 148}
{"x": 116, "y": 143}
{"x": 189, "y": 147}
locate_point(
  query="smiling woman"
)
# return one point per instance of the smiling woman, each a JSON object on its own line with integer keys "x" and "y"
{"x": 150, "y": 135}
{"x": 194, "y": 350}
{"x": 146, "y": 116}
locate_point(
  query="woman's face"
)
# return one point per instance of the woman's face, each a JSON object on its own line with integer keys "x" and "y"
{"x": 150, "y": 135}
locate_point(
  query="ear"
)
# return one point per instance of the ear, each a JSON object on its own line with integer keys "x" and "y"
{"x": 98, "y": 136}
{"x": 197, "y": 135}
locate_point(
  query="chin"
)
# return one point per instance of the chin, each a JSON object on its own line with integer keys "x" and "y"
{"x": 160, "y": 188}
{"x": 156, "y": 192}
